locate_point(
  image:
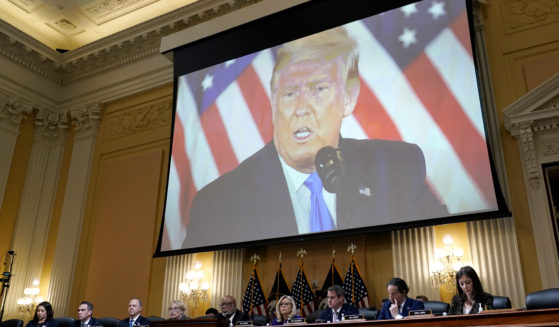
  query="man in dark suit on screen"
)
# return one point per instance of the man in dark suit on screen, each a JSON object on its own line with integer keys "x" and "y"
{"x": 276, "y": 192}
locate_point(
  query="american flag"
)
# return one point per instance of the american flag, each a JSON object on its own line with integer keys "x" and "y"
{"x": 254, "y": 301}
{"x": 417, "y": 81}
{"x": 302, "y": 293}
{"x": 354, "y": 286}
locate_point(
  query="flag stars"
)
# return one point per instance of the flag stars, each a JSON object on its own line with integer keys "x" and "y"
{"x": 207, "y": 82}
{"x": 229, "y": 63}
{"x": 437, "y": 9}
{"x": 408, "y": 10}
{"x": 408, "y": 37}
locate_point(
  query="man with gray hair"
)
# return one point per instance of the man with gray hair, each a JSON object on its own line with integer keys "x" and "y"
{"x": 336, "y": 306}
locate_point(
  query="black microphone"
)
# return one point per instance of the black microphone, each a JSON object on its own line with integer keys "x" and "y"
{"x": 330, "y": 168}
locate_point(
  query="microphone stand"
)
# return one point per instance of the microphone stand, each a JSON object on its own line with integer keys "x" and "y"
{"x": 6, "y": 281}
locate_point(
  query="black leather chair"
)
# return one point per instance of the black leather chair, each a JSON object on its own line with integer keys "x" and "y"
{"x": 259, "y": 320}
{"x": 311, "y": 317}
{"x": 437, "y": 308}
{"x": 110, "y": 322}
{"x": 154, "y": 318}
{"x": 501, "y": 302}
{"x": 12, "y": 323}
{"x": 545, "y": 299}
{"x": 368, "y": 314}
{"x": 64, "y": 321}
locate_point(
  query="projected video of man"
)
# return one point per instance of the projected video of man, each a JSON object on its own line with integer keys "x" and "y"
{"x": 277, "y": 192}
{"x": 374, "y": 123}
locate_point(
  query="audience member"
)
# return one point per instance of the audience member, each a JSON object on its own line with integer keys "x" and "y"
{"x": 336, "y": 305}
{"x": 134, "y": 317}
{"x": 422, "y": 298}
{"x": 85, "y": 316}
{"x": 399, "y": 303}
{"x": 43, "y": 316}
{"x": 212, "y": 312}
{"x": 176, "y": 310}
{"x": 229, "y": 310}
{"x": 470, "y": 297}
{"x": 285, "y": 309}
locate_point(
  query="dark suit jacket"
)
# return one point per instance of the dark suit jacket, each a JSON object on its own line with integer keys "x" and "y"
{"x": 255, "y": 197}
{"x": 410, "y": 304}
{"x": 239, "y": 316}
{"x": 92, "y": 322}
{"x": 346, "y": 309}
{"x": 140, "y": 321}
{"x": 48, "y": 323}
{"x": 457, "y": 304}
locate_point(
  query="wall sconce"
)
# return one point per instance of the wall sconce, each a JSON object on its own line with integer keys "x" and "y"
{"x": 26, "y": 305}
{"x": 193, "y": 290}
{"x": 448, "y": 261}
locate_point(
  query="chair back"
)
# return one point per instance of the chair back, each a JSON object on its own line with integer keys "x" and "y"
{"x": 64, "y": 321}
{"x": 154, "y": 318}
{"x": 110, "y": 322}
{"x": 437, "y": 307}
{"x": 545, "y": 299}
{"x": 259, "y": 320}
{"x": 311, "y": 317}
{"x": 501, "y": 302}
{"x": 11, "y": 323}
{"x": 368, "y": 314}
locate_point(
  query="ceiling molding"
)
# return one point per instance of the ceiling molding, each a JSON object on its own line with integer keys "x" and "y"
{"x": 122, "y": 48}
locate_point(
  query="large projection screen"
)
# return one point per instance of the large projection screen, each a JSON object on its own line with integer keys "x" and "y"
{"x": 394, "y": 91}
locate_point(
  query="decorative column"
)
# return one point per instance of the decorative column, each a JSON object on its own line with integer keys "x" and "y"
{"x": 412, "y": 252}
{"x": 86, "y": 122}
{"x": 35, "y": 210}
{"x": 12, "y": 112}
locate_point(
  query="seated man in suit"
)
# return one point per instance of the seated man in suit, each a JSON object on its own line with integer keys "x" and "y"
{"x": 336, "y": 305}
{"x": 229, "y": 310}
{"x": 85, "y": 312}
{"x": 277, "y": 192}
{"x": 399, "y": 304}
{"x": 134, "y": 317}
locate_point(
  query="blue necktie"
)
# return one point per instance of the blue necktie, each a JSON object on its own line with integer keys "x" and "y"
{"x": 321, "y": 220}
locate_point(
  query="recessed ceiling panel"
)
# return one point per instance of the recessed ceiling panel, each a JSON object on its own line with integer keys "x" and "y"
{"x": 102, "y": 11}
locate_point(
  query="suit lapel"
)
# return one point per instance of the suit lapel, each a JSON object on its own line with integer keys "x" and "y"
{"x": 272, "y": 193}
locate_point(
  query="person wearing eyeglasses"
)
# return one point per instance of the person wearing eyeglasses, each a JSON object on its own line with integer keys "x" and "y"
{"x": 229, "y": 310}
{"x": 176, "y": 310}
{"x": 286, "y": 309}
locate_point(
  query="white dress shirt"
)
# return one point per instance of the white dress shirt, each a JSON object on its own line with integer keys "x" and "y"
{"x": 300, "y": 197}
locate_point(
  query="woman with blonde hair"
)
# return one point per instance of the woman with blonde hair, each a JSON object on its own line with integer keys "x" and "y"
{"x": 286, "y": 309}
{"x": 176, "y": 310}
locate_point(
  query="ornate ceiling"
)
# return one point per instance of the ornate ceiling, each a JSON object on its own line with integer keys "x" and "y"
{"x": 70, "y": 24}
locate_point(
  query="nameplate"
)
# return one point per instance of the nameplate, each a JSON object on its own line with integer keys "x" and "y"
{"x": 420, "y": 312}
{"x": 353, "y": 317}
{"x": 244, "y": 323}
{"x": 296, "y": 320}
{"x": 320, "y": 321}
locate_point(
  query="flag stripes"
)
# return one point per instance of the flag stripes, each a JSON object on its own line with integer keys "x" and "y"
{"x": 417, "y": 82}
